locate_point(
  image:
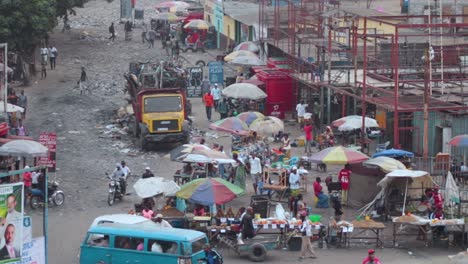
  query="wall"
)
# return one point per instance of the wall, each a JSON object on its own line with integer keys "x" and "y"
{"x": 417, "y": 7}
{"x": 229, "y": 28}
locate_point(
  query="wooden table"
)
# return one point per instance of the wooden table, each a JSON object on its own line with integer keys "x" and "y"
{"x": 361, "y": 232}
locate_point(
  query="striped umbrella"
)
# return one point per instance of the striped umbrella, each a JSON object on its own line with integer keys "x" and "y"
{"x": 232, "y": 125}
{"x": 338, "y": 156}
{"x": 198, "y": 24}
{"x": 169, "y": 4}
{"x": 249, "y": 117}
{"x": 209, "y": 191}
{"x": 247, "y": 45}
{"x": 166, "y": 16}
{"x": 459, "y": 141}
{"x": 352, "y": 122}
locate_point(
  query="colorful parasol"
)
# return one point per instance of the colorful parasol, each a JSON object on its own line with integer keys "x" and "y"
{"x": 184, "y": 149}
{"x": 352, "y": 122}
{"x": 232, "y": 125}
{"x": 198, "y": 24}
{"x": 338, "y": 156}
{"x": 247, "y": 45}
{"x": 394, "y": 153}
{"x": 239, "y": 53}
{"x": 244, "y": 91}
{"x": 169, "y": 4}
{"x": 155, "y": 185}
{"x": 267, "y": 126}
{"x": 209, "y": 191}
{"x": 166, "y": 17}
{"x": 249, "y": 117}
{"x": 459, "y": 141}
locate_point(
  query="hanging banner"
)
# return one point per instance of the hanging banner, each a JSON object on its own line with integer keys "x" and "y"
{"x": 49, "y": 140}
{"x": 34, "y": 252}
{"x": 11, "y": 213}
{"x": 195, "y": 77}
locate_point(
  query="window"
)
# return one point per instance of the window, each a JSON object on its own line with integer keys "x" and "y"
{"x": 130, "y": 243}
{"x": 161, "y": 246}
{"x": 198, "y": 245}
{"x": 98, "y": 240}
{"x": 163, "y": 104}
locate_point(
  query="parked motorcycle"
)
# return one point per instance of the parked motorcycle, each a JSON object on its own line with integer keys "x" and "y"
{"x": 56, "y": 196}
{"x": 116, "y": 189}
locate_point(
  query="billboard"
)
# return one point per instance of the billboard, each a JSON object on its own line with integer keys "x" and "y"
{"x": 11, "y": 221}
{"x": 49, "y": 140}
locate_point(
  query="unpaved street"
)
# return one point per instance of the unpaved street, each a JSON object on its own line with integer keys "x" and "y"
{"x": 85, "y": 151}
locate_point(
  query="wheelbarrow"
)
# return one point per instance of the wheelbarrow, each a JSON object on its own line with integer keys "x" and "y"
{"x": 256, "y": 248}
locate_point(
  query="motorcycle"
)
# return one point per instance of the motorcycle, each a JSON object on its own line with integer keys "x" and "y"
{"x": 116, "y": 190}
{"x": 56, "y": 196}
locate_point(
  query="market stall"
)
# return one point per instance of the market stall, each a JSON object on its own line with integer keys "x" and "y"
{"x": 367, "y": 229}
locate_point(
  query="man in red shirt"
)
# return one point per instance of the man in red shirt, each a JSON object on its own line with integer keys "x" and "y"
{"x": 308, "y": 137}
{"x": 344, "y": 177}
{"x": 318, "y": 187}
{"x": 371, "y": 258}
{"x": 209, "y": 102}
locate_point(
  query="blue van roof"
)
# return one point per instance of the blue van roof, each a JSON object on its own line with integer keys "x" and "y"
{"x": 139, "y": 230}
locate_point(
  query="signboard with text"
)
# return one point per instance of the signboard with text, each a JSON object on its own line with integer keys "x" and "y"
{"x": 34, "y": 252}
{"x": 216, "y": 72}
{"x": 49, "y": 140}
{"x": 11, "y": 212}
{"x": 195, "y": 77}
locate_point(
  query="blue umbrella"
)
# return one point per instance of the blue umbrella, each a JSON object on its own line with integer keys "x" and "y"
{"x": 394, "y": 153}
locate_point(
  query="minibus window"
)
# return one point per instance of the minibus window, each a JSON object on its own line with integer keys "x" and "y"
{"x": 161, "y": 246}
{"x": 98, "y": 240}
{"x": 131, "y": 243}
{"x": 198, "y": 245}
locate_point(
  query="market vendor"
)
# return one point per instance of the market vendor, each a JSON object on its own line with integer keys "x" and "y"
{"x": 286, "y": 147}
{"x": 318, "y": 191}
{"x": 437, "y": 197}
{"x": 199, "y": 210}
{"x": 438, "y": 214}
{"x": 294, "y": 181}
{"x": 187, "y": 169}
{"x": 247, "y": 228}
{"x": 328, "y": 135}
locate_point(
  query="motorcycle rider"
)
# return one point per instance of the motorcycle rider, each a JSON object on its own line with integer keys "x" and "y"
{"x": 126, "y": 170}
{"x": 119, "y": 176}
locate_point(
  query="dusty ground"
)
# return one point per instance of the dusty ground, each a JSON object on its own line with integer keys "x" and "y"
{"x": 85, "y": 153}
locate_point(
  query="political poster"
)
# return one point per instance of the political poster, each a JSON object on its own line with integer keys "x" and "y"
{"x": 49, "y": 140}
{"x": 195, "y": 77}
{"x": 11, "y": 222}
{"x": 34, "y": 252}
{"x": 216, "y": 72}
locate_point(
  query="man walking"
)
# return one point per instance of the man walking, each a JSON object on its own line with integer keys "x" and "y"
{"x": 301, "y": 109}
{"x": 216, "y": 93}
{"x": 82, "y": 81}
{"x": 205, "y": 85}
{"x": 112, "y": 32}
{"x": 344, "y": 177}
{"x": 308, "y": 128}
{"x": 23, "y": 102}
{"x": 53, "y": 56}
{"x": 151, "y": 37}
{"x": 255, "y": 170}
{"x": 223, "y": 108}
{"x": 208, "y": 100}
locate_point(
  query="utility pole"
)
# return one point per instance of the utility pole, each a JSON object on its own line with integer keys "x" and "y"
{"x": 5, "y": 78}
{"x": 426, "y": 104}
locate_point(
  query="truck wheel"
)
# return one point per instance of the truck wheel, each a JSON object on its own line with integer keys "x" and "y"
{"x": 257, "y": 253}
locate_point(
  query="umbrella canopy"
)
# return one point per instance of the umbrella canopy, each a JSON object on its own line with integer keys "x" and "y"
{"x": 152, "y": 186}
{"x": 248, "y": 46}
{"x": 338, "y": 156}
{"x": 452, "y": 194}
{"x": 11, "y": 108}
{"x": 245, "y": 91}
{"x": 166, "y": 16}
{"x": 198, "y": 24}
{"x": 394, "y": 153}
{"x": 206, "y": 156}
{"x": 249, "y": 117}
{"x": 459, "y": 141}
{"x": 23, "y": 148}
{"x": 352, "y": 122}
{"x": 184, "y": 149}
{"x": 254, "y": 81}
{"x": 401, "y": 174}
{"x": 169, "y": 4}
{"x": 232, "y": 125}
{"x": 385, "y": 163}
{"x": 267, "y": 126}
{"x": 247, "y": 60}
{"x": 175, "y": 9}
{"x": 239, "y": 53}
{"x": 209, "y": 191}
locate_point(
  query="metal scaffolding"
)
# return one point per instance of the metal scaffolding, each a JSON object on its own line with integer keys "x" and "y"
{"x": 402, "y": 64}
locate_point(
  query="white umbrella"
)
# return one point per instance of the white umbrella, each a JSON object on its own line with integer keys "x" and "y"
{"x": 452, "y": 194}
{"x": 200, "y": 158}
{"x": 385, "y": 163}
{"x": 23, "y": 148}
{"x": 11, "y": 108}
{"x": 155, "y": 185}
{"x": 250, "y": 61}
{"x": 245, "y": 91}
{"x": 248, "y": 46}
{"x": 267, "y": 126}
{"x": 352, "y": 122}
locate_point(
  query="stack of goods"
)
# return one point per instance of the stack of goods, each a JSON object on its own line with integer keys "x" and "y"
{"x": 172, "y": 213}
{"x": 447, "y": 222}
{"x": 367, "y": 224}
{"x": 409, "y": 218}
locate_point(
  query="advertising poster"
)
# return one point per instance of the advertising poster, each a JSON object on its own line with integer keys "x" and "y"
{"x": 195, "y": 77}
{"x": 11, "y": 220}
{"x": 34, "y": 252}
{"x": 49, "y": 140}
{"x": 216, "y": 72}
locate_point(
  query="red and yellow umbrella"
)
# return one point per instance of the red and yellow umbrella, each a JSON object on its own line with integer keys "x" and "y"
{"x": 338, "y": 156}
{"x": 209, "y": 191}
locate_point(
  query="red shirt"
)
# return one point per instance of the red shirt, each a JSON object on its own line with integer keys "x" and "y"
{"x": 208, "y": 99}
{"x": 27, "y": 178}
{"x": 317, "y": 188}
{"x": 368, "y": 260}
{"x": 343, "y": 177}
{"x": 308, "y": 132}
